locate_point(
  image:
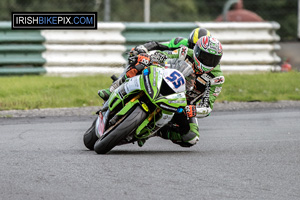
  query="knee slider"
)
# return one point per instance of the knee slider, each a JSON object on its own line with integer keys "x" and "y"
{"x": 191, "y": 138}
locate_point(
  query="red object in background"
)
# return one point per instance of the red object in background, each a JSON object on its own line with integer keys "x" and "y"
{"x": 286, "y": 67}
{"x": 238, "y": 14}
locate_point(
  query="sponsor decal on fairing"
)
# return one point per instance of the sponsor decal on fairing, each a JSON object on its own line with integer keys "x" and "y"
{"x": 166, "y": 107}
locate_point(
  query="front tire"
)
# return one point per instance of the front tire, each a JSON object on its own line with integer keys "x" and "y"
{"x": 90, "y": 137}
{"x": 121, "y": 131}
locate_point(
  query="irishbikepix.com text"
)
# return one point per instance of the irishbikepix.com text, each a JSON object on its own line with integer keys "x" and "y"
{"x": 25, "y": 20}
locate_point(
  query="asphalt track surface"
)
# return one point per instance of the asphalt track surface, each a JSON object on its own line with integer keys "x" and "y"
{"x": 242, "y": 155}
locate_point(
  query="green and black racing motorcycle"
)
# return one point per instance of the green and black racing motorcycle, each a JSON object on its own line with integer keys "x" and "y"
{"x": 137, "y": 109}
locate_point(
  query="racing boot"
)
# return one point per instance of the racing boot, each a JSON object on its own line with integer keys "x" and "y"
{"x": 185, "y": 140}
{"x": 104, "y": 94}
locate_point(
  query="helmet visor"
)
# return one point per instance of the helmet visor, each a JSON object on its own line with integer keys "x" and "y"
{"x": 205, "y": 58}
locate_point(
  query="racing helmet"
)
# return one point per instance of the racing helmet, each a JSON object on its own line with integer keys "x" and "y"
{"x": 195, "y": 35}
{"x": 207, "y": 54}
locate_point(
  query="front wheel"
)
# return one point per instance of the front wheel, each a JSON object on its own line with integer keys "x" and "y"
{"x": 90, "y": 137}
{"x": 121, "y": 131}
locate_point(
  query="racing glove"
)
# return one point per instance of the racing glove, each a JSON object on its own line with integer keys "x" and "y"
{"x": 158, "y": 58}
{"x": 143, "y": 60}
{"x": 190, "y": 111}
{"x": 137, "y": 50}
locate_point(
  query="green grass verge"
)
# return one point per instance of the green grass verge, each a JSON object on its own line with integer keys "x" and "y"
{"x": 29, "y": 92}
{"x": 269, "y": 87}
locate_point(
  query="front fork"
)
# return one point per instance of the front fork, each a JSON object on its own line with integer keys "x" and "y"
{"x": 102, "y": 120}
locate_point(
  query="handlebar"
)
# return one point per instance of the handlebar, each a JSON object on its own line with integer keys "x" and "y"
{"x": 114, "y": 78}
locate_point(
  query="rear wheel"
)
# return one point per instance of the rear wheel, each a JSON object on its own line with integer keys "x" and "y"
{"x": 117, "y": 134}
{"x": 90, "y": 137}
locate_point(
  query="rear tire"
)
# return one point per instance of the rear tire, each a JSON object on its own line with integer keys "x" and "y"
{"x": 117, "y": 134}
{"x": 90, "y": 137}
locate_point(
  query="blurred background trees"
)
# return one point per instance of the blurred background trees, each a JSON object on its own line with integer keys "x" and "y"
{"x": 281, "y": 11}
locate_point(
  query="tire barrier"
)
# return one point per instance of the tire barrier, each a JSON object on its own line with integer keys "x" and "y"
{"x": 248, "y": 46}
